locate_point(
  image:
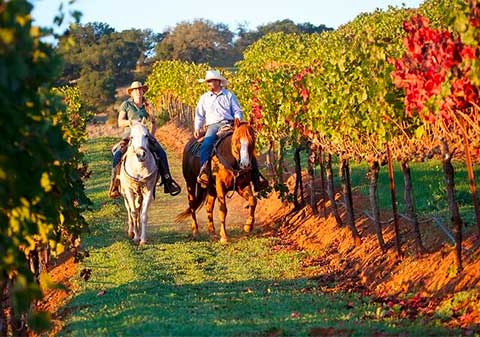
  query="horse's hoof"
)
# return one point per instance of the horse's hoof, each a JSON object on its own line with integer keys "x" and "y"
{"x": 136, "y": 240}
{"x": 247, "y": 228}
{"x": 223, "y": 240}
{"x": 143, "y": 242}
{"x": 131, "y": 235}
{"x": 194, "y": 234}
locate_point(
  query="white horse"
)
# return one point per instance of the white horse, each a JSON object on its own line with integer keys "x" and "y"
{"x": 138, "y": 175}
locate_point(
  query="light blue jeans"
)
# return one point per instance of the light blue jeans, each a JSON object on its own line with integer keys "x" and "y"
{"x": 209, "y": 140}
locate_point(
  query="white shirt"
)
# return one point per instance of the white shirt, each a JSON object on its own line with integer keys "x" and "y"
{"x": 213, "y": 108}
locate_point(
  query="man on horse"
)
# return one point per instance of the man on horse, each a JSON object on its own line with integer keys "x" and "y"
{"x": 216, "y": 108}
{"x": 137, "y": 108}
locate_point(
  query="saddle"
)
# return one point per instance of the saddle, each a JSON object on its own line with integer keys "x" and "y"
{"x": 222, "y": 133}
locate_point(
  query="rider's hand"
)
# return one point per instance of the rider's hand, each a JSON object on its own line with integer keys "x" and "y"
{"x": 196, "y": 134}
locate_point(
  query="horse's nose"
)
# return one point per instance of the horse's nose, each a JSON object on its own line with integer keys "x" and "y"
{"x": 140, "y": 155}
{"x": 245, "y": 163}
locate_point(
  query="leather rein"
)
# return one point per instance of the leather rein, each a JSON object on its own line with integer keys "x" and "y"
{"x": 235, "y": 172}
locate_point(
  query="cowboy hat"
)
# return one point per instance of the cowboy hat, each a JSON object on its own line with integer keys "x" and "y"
{"x": 214, "y": 75}
{"x": 135, "y": 85}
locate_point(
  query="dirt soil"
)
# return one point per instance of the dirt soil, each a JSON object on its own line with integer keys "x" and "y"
{"x": 429, "y": 278}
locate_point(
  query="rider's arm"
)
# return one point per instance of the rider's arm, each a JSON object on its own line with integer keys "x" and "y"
{"x": 151, "y": 114}
{"x": 236, "y": 109}
{"x": 123, "y": 117}
{"x": 199, "y": 117}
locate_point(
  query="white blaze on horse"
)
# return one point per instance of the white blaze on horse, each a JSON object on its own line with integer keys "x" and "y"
{"x": 138, "y": 175}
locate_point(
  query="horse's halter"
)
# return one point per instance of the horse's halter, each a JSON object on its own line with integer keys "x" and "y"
{"x": 244, "y": 153}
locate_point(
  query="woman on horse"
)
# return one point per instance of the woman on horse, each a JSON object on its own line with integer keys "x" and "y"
{"x": 217, "y": 107}
{"x": 136, "y": 108}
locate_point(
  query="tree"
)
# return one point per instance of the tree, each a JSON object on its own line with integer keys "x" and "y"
{"x": 200, "y": 41}
{"x": 99, "y": 59}
{"x": 287, "y": 26}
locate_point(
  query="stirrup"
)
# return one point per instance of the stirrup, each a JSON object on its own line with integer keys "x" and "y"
{"x": 174, "y": 188}
{"x": 202, "y": 179}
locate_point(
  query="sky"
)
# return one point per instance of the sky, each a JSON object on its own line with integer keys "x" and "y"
{"x": 159, "y": 15}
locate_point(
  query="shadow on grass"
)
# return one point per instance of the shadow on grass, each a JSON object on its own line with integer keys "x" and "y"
{"x": 246, "y": 308}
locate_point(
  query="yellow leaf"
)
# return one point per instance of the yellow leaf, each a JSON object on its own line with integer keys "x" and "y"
{"x": 46, "y": 281}
{"x": 45, "y": 182}
{"x": 22, "y": 20}
{"x": 35, "y": 31}
{"x": 43, "y": 231}
{"x": 59, "y": 249}
{"x": 39, "y": 55}
{"x": 7, "y": 35}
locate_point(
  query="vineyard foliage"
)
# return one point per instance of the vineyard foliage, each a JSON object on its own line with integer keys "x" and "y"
{"x": 368, "y": 91}
{"x": 41, "y": 189}
{"x": 335, "y": 88}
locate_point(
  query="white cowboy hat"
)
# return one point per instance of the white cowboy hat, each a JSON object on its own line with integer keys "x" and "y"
{"x": 135, "y": 85}
{"x": 214, "y": 75}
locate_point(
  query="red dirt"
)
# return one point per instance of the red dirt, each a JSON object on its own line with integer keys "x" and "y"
{"x": 54, "y": 299}
{"x": 362, "y": 268}
{"x": 366, "y": 267}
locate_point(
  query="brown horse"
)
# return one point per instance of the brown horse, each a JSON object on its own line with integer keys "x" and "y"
{"x": 230, "y": 170}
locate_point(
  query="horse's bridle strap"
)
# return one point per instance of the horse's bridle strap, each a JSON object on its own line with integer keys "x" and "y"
{"x": 136, "y": 180}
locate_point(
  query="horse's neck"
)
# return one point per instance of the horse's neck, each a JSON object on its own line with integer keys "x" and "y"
{"x": 224, "y": 149}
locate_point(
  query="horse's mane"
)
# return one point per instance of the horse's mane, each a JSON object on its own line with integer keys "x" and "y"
{"x": 246, "y": 132}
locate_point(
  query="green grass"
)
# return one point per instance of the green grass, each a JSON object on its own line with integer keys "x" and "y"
{"x": 178, "y": 287}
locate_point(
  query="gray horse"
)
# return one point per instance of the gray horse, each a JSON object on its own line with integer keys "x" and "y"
{"x": 138, "y": 175}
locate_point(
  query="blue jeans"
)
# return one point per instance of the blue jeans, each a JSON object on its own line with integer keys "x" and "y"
{"x": 209, "y": 140}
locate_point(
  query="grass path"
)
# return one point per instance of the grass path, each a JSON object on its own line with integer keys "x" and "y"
{"x": 178, "y": 287}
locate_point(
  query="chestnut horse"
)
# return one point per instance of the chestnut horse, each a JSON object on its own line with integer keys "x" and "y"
{"x": 230, "y": 170}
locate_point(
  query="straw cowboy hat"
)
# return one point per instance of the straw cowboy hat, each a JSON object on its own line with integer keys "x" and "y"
{"x": 135, "y": 85}
{"x": 214, "y": 75}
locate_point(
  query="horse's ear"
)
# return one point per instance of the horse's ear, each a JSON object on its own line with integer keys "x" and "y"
{"x": 236, "y": 123}
{"x": 144, "y": 121}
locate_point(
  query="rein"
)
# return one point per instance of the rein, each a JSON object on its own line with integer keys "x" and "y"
{"x": 234, "y": 171}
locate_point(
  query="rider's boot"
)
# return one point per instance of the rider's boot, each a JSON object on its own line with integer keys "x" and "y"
{"x": 170, "y": 186}
{"x": 114, "y": 191}
{"x": 202, "y": 178}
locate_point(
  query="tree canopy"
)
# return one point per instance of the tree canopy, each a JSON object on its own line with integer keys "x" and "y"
{"x": 100, "y": 59}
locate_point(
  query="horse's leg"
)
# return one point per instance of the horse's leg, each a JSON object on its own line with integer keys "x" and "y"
{"x": 147, "y": 199}
{"x": 222, "y": 212}
{"x": 129, "y": 218}
{"x": 248, "y": 195}
{"x": 210, "y": 205}
{"x": 136, "y": 219}
{"x": 131, "y": 197}
{"x": 191, "y": 205}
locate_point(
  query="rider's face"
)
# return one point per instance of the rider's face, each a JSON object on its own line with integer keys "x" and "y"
{"x": 213, "y": 85}
{"x": 137, "y": 93}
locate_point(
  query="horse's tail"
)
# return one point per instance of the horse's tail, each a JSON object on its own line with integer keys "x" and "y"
{"x": 183, "y": 216}
{"x": 195, "y": 205}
